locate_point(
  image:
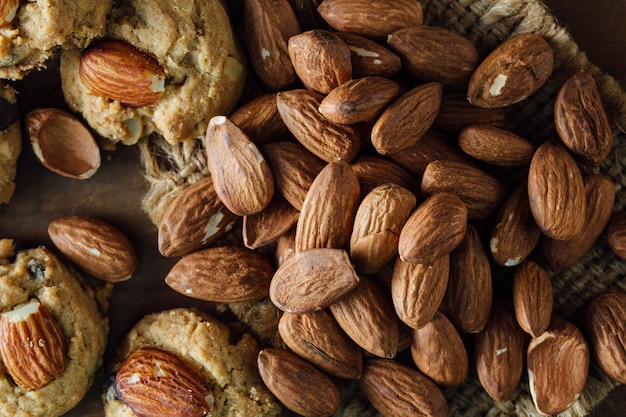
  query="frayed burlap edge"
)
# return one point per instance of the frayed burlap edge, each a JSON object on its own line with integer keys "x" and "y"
{"x": 169, "y": 169}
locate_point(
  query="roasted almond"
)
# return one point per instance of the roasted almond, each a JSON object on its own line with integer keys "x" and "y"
{"x": 369, "y": 58}
{"x": 532, "y": 298}
{"x": 616, "y": 234}
{"x": 496, "y": 146}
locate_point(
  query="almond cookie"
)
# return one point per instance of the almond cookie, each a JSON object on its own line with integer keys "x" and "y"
{"x": 53, "y": 332}
{"x": 188, "y": 360}
{"x": 10, "y": 141}
{"x": 189, "y": 45}
{"x": 32, "y": 31}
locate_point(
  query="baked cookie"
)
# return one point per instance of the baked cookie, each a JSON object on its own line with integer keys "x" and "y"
{"x": 51, "y": 320}
{"x": 226, "y": 375}
{"x": 10, "y": 141}
{"x": 204, "y": 67}
{"x": 32, "y": 31}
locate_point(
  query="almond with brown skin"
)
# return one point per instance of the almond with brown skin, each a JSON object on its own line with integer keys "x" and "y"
{"x": 438, "y": 351}
{"x": 152, "y": 381}
{"x": 267, "y": 27}
{"x": 260, "y": 120}
{"x": 556, "y": 192}
{"x": 581, "y": 120}
{"x": 532, "y": 298}
{"x": 600, "y": 197}
{"x": 372, "y": 19}
{"x": 95, "y": 246}
{"x": 323, "y": 138}
{"x": 432, "y": 53}
{"x": 407, "y": 119}
{"x": 616, "y": 234}
{"x": 605, "y": 320}
{"x": 369, "y": 58}
{"x": 358, "y": 100}
{"x": 265, "y": 227}
{"x": 398, "y": 390}
{"x": 374, "y": 171}
{"x": 241, "y": 176}
{"x": 321, "y": 60}
{"x": 482, "y": 193}
{"x": 312, "y": 280}
{"x": 553, "y": 382}
{"x": 285, "y": 246}
{"x": 434, "y": 229}
{"x": 496, "y": 146}
{"x": 513, "y": 71}
{"x": 193, "y": 219}
{"x": 314, "y": 395}
{"x": 515, "y": 233}
{"x": 225, "y": 274}
{"x": 32, "y": 345}
{"x": 366, "y": 315}
{"x": 456, "y": 113}
{"x": 328, "y": 211}
{"x": 318, "y": 338}
{"x": 417, "y": 290}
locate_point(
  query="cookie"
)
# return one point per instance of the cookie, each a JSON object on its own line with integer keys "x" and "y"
{"x": 36, "y": 278}
{"x": 10, "y": 141}
{"x": 205, "y": 345}
{"x": 204, "y": 67}
{"x": 32, "y": 32}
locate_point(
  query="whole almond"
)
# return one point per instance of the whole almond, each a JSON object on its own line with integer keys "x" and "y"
{"x": 554, "y": 383}
{"x": 152, "y": 381}
{"x": 95, "y": 246}
{"x": 482, "y": 193}
{"x": 374, "y": 171}
{"x": 241, "y": 175}
{"x": 456, "y": 113}
{"x": 358, "y": 100}
{"x": 513, "y": 71}
{"x": 222, "y": 274}
{"x": 312, "y": 280}
{"x": 432, "y": 53}
{"x": 285, "y": 246}
{"x": 328, "y": 211}
{"x": 193, "y": 219}
{"x": 616, "y": 234}
{"x": 268, "y": 25}
{"x": 372, "y": 19}
{"x": 605, "y": 320}
{"x": 377, "y": 225}
{"x": 515, "y": 233}
{"x": 323, "y": 138}
{"x": 315, "y": 395}
{"x": 434, "y": 229}
{"x": 556, "y": 192}
{"x": 366, "y": 315}
{"x": 496, "y": 146}
{"x": 500, "y": 353}
{"x": 407, "y": 118}
{"x": 369, "y": 58}
{"x": 396, "y": 389}
{"x": 532, "y": 298}
{"x": 263, "y": 228}
{"x": 260, "y": 120}
{"x": 321, "y": 60}
{"x": 600, "y": 197}
{"x": 417, "y": 290}
{"x": 581, "y": 120}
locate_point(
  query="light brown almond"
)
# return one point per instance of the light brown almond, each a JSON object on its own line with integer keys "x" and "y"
{"x": 532, "y": 298}
{"x": 260, "y": 120}
{"x": 496, "y": 146}
{"x": 263, "y": 228}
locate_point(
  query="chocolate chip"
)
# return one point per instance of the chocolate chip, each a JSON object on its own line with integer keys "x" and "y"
{"x": 8, "y": 113}
{"x": 36, "y": 269}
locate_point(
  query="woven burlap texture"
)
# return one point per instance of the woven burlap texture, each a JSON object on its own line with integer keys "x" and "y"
{"x": 487, "y": 23}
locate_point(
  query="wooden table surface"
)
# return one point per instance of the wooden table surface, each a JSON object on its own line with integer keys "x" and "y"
{"x": 114, "y": 192}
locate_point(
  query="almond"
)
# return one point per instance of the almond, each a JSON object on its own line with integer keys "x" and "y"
{"x": 556, "y": 192}
{"x": 532, "y": 298}
{"x": 513, "y": 71}
{"x": 372, "y": 19}
{"x": 193, "y": 219}
{"x": 260, "y": 120}
{"x": 321, "y": 60}
{"x": 154, "y": 382}
{"x": 222, "y": 274}
{"x": 268, "y": 25}
{"x": 312, "y": 280}
{"x": 456, "y": 113}
{"x": 285, "y": 246}
{"x": 580, "y": 119}
{"x": 62, "y": 143}
{"x": 32, "y": 345}
{"x": 554, "y": 383}
{"x": 241, "y": 175}
{"x": 121, "y": 72}
{"x": 369, "y": 58}
{"x": 95, "y": 246}
{"x": 496, "y": 146}
{"x": 374, "y": 171}
{"x": 616, "y": 234}
{"x": 398, "y": 390}
{"x": 314, "y": 395}
{"x": 431, "y": 53}
{"x": 8, "y": 11}
{"x": 265, "y": 227}
{"x": 417, "y": 290}
{"x": 407, "y": 119}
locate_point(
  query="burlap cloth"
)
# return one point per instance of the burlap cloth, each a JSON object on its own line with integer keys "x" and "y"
{"x": 487, "y": 23}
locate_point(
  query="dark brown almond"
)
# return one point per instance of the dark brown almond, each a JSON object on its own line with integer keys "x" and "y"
{"x": 616, "y": 234}
{"x": 496, "y": 146}
{"x": 369, "y": 58}
{"x": 374, "y": 171}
